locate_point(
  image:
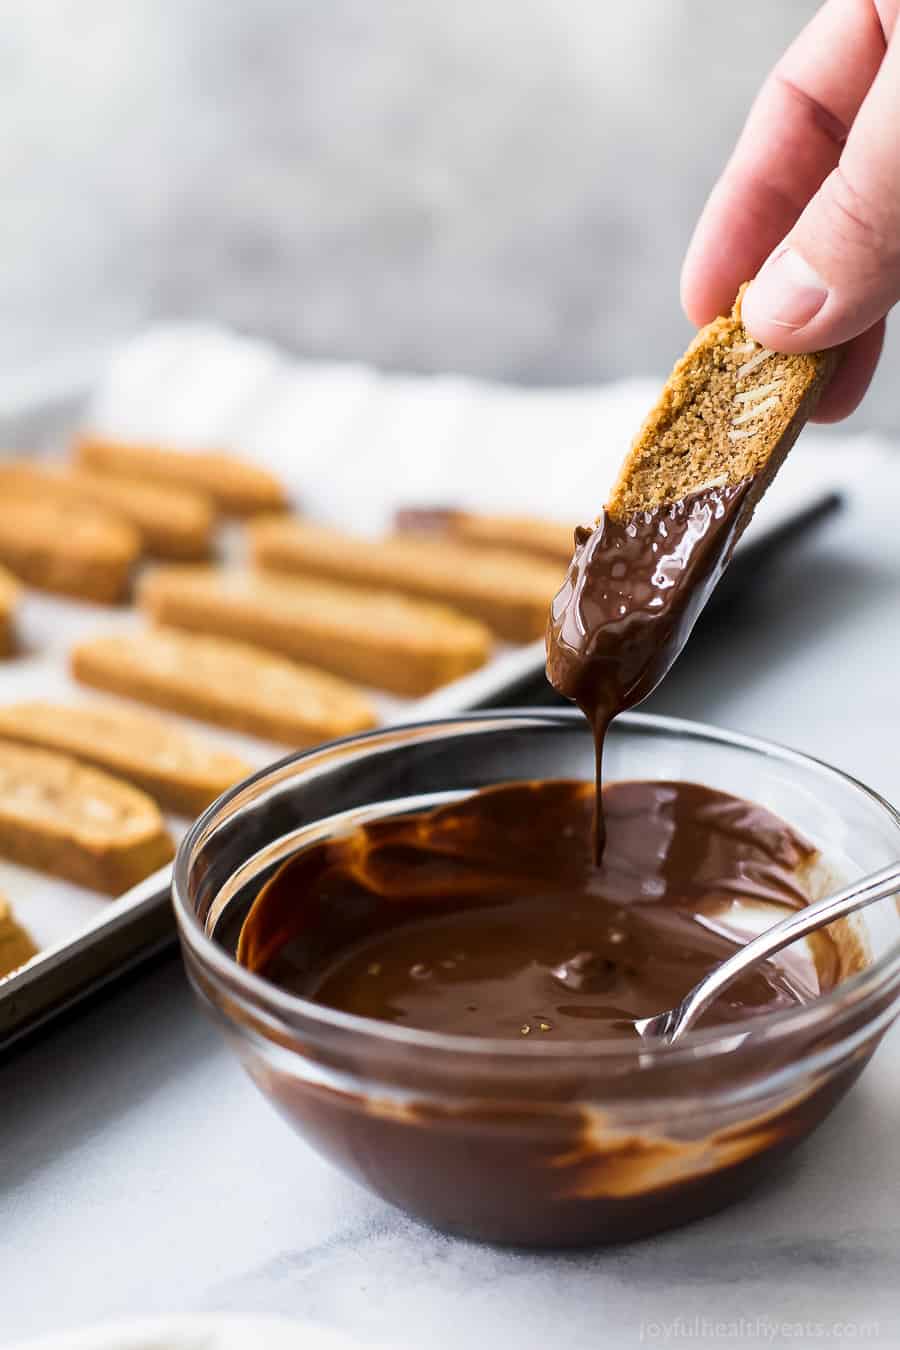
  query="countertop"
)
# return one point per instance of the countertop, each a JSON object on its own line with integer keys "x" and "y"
{"x": 142, "y": 1172}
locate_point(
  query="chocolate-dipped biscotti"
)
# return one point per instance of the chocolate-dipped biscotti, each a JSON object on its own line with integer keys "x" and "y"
{"x": 726, "y": 418}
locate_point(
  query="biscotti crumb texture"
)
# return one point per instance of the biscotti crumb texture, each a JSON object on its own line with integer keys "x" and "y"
{"x": 172, "y": 523}
{"x": 180, "y": 770}
{"x": 66, "y": 548}
{"x": 230, "y": 683}
{"x": 16, "y": 944}
{"x": 730, "y": 411}
{"x": 507, "y": 591}
{"x": 374, "y": 637}
{"x": 236, "y": 487}
{"x": 61, "y": 817}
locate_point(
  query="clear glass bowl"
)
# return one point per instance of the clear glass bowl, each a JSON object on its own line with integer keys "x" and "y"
{"x": 529, "y": 1142}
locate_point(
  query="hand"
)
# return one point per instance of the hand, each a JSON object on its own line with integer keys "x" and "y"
{"x": 809, "y": 203}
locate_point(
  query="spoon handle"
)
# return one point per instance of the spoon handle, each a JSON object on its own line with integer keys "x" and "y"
{"x": 876, "y": 886}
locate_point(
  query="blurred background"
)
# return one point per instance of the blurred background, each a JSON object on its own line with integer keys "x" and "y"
{"x": 503, "y": 189}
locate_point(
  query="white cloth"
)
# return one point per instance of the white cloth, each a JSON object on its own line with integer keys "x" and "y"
{"x": 353, "y": 443}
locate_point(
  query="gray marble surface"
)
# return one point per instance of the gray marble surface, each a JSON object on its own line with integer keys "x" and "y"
{"x": 142, "y": 1173}
{"x": 503, "y": 189}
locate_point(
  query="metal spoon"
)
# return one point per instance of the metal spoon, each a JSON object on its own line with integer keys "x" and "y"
{"x": 670, "y": 1026}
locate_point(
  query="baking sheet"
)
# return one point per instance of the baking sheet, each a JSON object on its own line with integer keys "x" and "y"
{"x": 445, "y": 432}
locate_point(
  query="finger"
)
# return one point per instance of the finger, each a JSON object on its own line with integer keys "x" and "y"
{"x": 838, "y": 271}
{"x": 844, "y": 391}
{"x": 791, "y": 142}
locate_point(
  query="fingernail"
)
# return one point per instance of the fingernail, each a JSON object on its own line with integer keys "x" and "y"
{"x": 787, "y": 292}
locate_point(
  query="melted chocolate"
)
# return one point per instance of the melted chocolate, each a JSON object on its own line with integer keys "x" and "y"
{"x": 633, "y": 593}
{"x": 495, "y": 916}
{"x": 488, "y": 917}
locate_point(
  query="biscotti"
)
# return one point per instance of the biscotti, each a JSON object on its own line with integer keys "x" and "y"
{"x": 547, "y": 539}
{"x": 71, "y": 549}
{"x": 180, "y": 770}
{"x": 509, "y": 592}
{"x": 373, "y": 637}
{"x": 16, "y": 944}
{"x": 59, "y": 816}
{"x": 729, "y": 412}
{"x": 236, "y": 487}
{"x": 172, "y": 522}
{"x": 9, "y": 595}
{"x": 230, "y": 683}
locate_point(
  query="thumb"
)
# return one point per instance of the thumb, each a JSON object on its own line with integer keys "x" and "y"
{"x": 838, "y": 270}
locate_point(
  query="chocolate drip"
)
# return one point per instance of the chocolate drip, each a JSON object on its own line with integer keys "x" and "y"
{"x": 632, "y": 595}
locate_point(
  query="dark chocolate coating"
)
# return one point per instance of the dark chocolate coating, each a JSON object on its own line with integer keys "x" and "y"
{"x": 633, "y": 593}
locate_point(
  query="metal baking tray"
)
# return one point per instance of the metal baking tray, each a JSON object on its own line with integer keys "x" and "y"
{"x": 88, "y": 940}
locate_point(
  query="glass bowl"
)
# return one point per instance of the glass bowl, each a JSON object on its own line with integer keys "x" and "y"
{"x": 529, "y": 1142}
